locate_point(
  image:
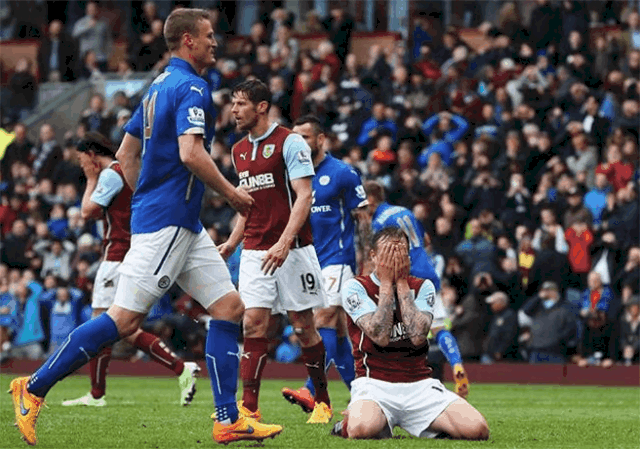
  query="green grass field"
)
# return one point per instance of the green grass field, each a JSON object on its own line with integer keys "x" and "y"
{"x": 144, "y": 413}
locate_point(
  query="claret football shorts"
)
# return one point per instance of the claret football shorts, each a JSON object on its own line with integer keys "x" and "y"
{"x": 295, "y": 286}
{"x": 173, "y": 254}
{"x": 412, "y": 406}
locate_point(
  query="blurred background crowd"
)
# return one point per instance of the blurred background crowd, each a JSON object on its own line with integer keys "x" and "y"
{"x": 510, "y": 129}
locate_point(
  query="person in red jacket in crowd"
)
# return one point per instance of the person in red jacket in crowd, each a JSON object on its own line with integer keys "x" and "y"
{"x": 580, "y": 239}
{"x": 618, "y": 173}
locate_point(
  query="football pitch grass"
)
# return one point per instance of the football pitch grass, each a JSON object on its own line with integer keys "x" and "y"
{"x": 144, "y": 413}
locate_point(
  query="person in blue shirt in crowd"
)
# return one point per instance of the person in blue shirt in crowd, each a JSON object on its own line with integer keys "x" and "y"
{"x": 65, "y": 315}
{"x": 444, "y": 130}
{"x": 384, "y": 215}
{"x": 338, "y": 195}
{"x": 375, "y": 125}
{"x": 165, "y": 157}
{"x": 29, "y": 333}
{"x": 596, "y": 199}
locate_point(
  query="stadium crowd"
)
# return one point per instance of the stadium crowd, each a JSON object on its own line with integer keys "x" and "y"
{"x": 520, "y": 159}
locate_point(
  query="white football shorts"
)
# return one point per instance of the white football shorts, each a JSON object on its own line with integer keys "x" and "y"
{"x": 295, "y": 286}
{"x": 173, "y": 254}
{"x": 333, "y": 278}
{"x": 412, "y": 406}
{"x": 104, "y": 286}
{"x": 440, "y": 316}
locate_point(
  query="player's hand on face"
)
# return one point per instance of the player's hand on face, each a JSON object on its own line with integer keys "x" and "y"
{"x": 90, "y": 168}
{"x": 241, "y": 201}
{"x": 402, "y": 262}
{"x": 274, "y": 258}
{"x": 385, "y": 268}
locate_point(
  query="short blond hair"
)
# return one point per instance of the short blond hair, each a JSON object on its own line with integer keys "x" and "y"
{"x": 180, "y": 21}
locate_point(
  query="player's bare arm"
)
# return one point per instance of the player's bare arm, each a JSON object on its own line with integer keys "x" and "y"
{"x": 89, "y": 209}
{"x": 199, "y": 162}
{"x": 278, "y": 253}
{"x": 377, "y": 325}
{"x": 227, "y": 248}
{"x": 416, "y": 322}
{"x": 129, "y": 157}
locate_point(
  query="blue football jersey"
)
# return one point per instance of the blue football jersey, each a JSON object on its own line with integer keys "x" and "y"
{"x": 337, "y": 190}
{"x": 168, "y": 194}
{"x": 387, "y": 216}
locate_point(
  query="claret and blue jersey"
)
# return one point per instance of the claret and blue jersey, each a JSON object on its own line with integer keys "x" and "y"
{"x": 167, "y": 194}
{"x": 337, "y": 191}
{"x": 386, "y": 216}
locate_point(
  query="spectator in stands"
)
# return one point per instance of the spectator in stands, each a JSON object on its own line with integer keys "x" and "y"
{"x": 583, "y": 160}
{"x": 632, "y": 34}
{"x": 375, "y": 126}
{"x": 552, "y": 330}
{"x": 608, "y": 259}
{"x": 622, "y": 218}
{"x": 96, "y": 117}
{"x": 596, "y": 199}
{"x": 58, "y": 55}
{"x": 117, "y": 132}
{"x": 27, "y": 340}
{"x": 628, "y": 279}
{"x": 56, "y": 259}
{"x": 477, "y": 252}
{"x": 580, "y": 240}
{"x": 46, "y": 154}
{"x": 143, "y": 25}
{"x": 576, "y": 210}
{"x": 93, "y": 34}
{"x": 596, "y": 301}
{"x": 151, "y": 48}
{"x": 65, "y": 316}
{"x": 285, "y": 40}
{"x": 468, "y": 321}
{"x": 617, "y": 171}
{"x": 22, "y": 90}
{"x": 443, "y": 130}
{"x": 17, "y": 151}
{"x": 549, "y": 265}
{"x": 630, "y": 331}
{"x": 501, "y": 341}
{"x": 339, "y": 25}
{"x": 15, "y": 249}
{"x": 550, "y": 226}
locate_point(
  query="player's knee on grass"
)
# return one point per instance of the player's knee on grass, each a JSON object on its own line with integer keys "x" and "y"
{"x": 255, "y": 323}
{"x": 462, "y": 421}
{"x": 327, "y": 317}
{"x": 228, "y": 308}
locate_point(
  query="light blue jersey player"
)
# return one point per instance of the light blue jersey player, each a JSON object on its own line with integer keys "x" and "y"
{"x": 164, "y": 155}
{"x": 337, "y": 194}
{"x": 385, "y": 215}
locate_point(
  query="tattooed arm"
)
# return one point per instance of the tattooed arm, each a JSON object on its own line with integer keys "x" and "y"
{"x": 417, "y": 322}
{"x": 417, "y": 314}
{"x": 377, "y": 325}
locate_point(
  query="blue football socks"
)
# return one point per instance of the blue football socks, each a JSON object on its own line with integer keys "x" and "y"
{"x": 81, "y": 345}
{"x": 223, "y": 360}
{"x": 449, "y": 347}
{"x": 344, "y": 361}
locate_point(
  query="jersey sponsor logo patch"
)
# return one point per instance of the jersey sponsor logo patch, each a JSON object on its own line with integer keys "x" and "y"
{"x": 196, "y": 116}
{"x": 268, "y": 151}
{"x": 324, "y": 180}
{"x": 304, "y": 157}
{"x": 164, "y": 281}
{"x": 243, "y": 156}
{"x": 354, "y": 302}
{"x": 200, "y": 90}
{"x": 258, "y": 182}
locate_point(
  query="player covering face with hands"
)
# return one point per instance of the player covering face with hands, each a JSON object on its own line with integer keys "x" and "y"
{"x": 390, "y": 315}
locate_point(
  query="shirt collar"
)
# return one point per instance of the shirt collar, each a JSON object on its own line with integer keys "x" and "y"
{"x": 178, "y": 62}
{"x": 265, "y": 135}
{"x": 375, "y": 279}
